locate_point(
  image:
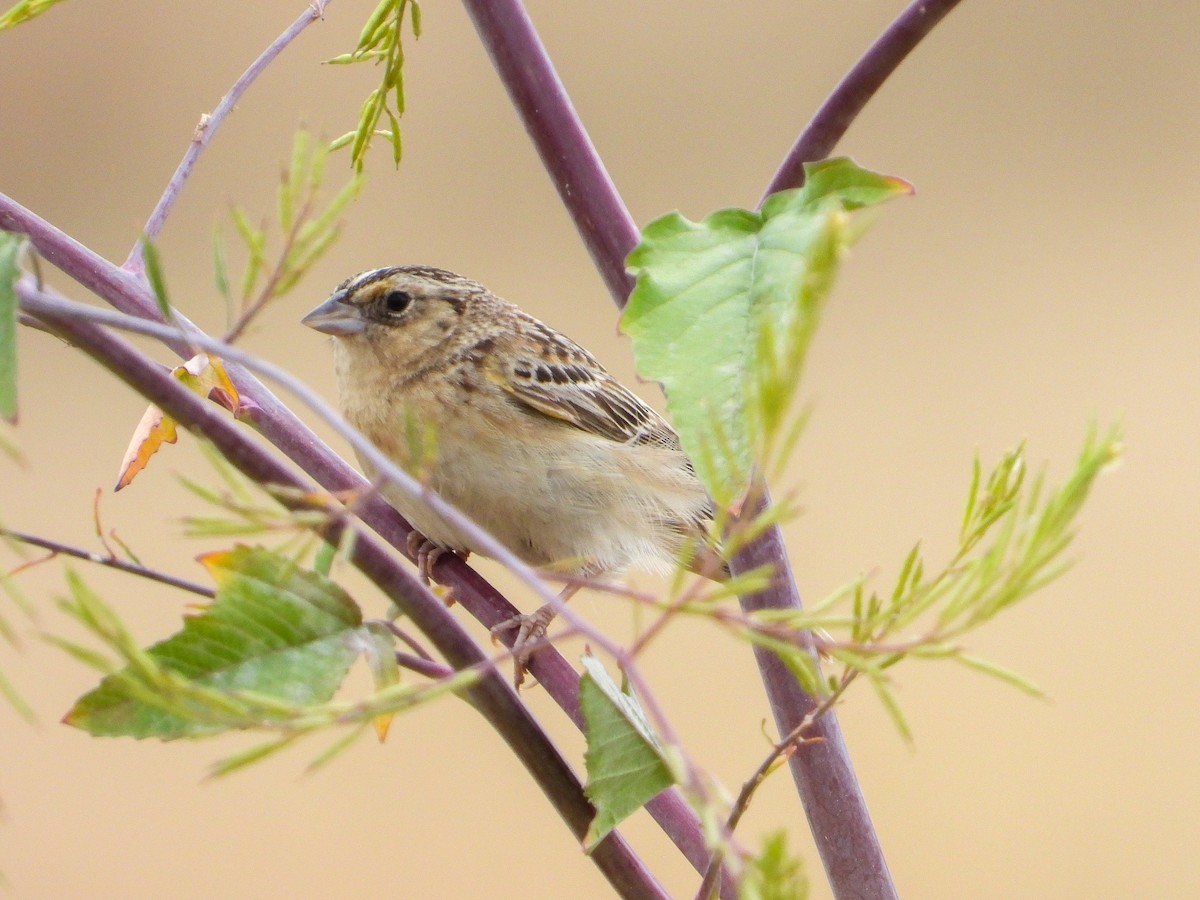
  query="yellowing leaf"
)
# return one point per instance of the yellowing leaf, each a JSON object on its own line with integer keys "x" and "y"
{"x": 155, "y": 429}
{"x": 205, "y": 376}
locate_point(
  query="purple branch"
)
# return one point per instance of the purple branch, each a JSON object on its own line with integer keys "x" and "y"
{"x": 821, "y": 769}
{"x": 491, "y": 695}
{"x": 112, "y": 562}
{"x": 607, "y": 229}
{"x": 297, "y": 441}
{"x": 209, "y": 124}
{"x": 427, "y": 667}
{"x": 842, "y": 107}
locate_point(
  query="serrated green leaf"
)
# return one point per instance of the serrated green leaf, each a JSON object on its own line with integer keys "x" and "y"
{"x": 10, "y": 253}
{"x": 723, "y": 310}
{"x": 273, "y": 630}
{"x": 625, "y": 762}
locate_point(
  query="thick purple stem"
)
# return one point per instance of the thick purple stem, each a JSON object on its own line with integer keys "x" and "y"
{"x": 842, "y": 107}
{"x": 608, "y": 231}
{"x": 821, "y": 768}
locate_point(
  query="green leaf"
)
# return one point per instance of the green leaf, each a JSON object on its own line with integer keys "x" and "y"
{"x": 15, "y": 700}
{"x": 626, "y": 764}
{"x": 257, "y": 753}
{"x": 10, "y": 252}
{"x": 323, "y": 560}
{"x": 723, "y": 310}
{"x": 888, "y": 699}
{"x": 24, "y": 11}
{"x": 156, "y": 277}
{"x": 221, "y": 266}
{"x": 1008, "y": 676}
{"x": 274, "y": 630}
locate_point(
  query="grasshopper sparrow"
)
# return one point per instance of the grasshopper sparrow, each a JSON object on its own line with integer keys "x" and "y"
{"x": 530, "y": 436}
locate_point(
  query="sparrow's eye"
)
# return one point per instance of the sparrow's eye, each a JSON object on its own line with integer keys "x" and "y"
{"x": 397, "y": 301}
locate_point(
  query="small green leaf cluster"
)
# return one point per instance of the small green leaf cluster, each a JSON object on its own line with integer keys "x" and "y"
{"x": 381, "y": 42}
{"x": 246, "y": 514}
{"x": 1011, "y": 543}
{"x": 308, "y": 231}
{"x": 774, "y": 874}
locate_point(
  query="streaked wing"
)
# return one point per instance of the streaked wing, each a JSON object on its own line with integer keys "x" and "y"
{"x": 568, "y": 384}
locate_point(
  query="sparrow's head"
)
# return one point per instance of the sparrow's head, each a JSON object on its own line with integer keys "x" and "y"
{"x": 422, "y": 303}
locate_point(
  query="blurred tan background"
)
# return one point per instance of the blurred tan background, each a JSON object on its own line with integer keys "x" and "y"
{"x": 1045, "y": 275}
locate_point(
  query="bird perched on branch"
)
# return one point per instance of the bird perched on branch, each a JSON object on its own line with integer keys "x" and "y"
{"x": 515, "y": 425}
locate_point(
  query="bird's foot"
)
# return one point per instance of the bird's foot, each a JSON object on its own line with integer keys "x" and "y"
{"x": 427, "y": 553}
{"x": 531, "y": 633}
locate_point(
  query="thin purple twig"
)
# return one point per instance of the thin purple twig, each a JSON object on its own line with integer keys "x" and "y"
{"x": 842, "y": 107}
{"x": 604, "y": 222}
{"x": 427, "y": 667}
{"x": 112, "y": 562}
{"x": 209, "y": 124}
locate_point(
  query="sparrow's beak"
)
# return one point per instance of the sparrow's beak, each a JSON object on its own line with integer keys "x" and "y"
{"x": 335, "y": 316}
